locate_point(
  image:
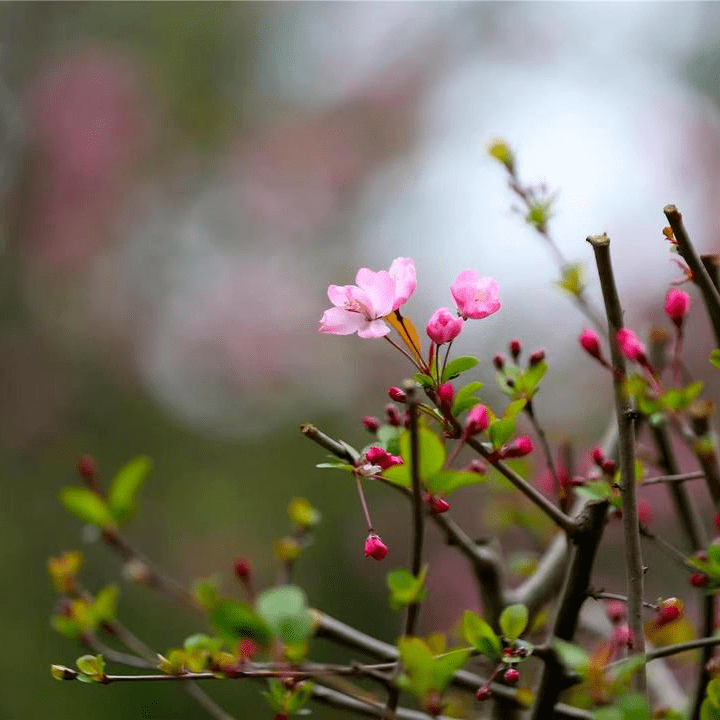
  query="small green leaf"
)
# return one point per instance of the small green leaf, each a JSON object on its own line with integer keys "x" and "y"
{"x": 417, "y": 660}
{"x": 93, "y": 666}
{"x": 335, "y": 466}
{"x": 513, "y": 621}
{"x": 501, "y": 431}
{"x": 446, "y": 665}
{"x": 448, "y": 481}
{"x": 464, "y": 398}
{"x": 285, "y": 611}
{"x": 202, "y": 642}
{"x": 634, "y": 707}
{"x": 299, "y": 697}
{"x": 713, "y": 692}
{"x": 87, "y": 505}
{"x": 105, "y": 605}
{"x": 389, "y": 438}
{"x": 458, "y": 365}
{"x": 234, "y": 620}
{"x": 515, "y": 408}
{"x": 124, "y": 487}
{"x": 303, "y": 514}
{"x": 708, "y": 711}
{"x": 533, "y": 376}
{"x": 405, "y": 588}
{"x": 572, "y": 280}
{"x": 573, "y": 656}
{"x": 715, "y": 358}
{"x": 398, "y": 474}
{"x": 481, "y": 636}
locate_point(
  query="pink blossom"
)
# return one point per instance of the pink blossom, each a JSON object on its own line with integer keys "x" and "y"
{"x": 477, "y": 421}
{"x": 443, "y": 326}
{"x": 520, "y": 447}
{"x": 377, "y": 456}
{"x": 631, "y": 346}
{"x": 446, "y": 394}
{"x": 375, "y": 547}
{"x": 677, "y": 304}
{"x": 361, "y": 307}
{"x": 475, "y": 297}
{"x": 436, "y": 504}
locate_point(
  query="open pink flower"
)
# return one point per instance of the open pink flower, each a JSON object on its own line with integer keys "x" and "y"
{"x": 475, "y": 297}
{"x": 361, "y": 307}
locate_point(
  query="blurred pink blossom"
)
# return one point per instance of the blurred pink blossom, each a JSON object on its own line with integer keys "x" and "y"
{"x": 475, "y": 297}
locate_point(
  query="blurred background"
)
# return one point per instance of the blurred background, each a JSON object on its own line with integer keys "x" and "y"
{"x": 179, "y": 183}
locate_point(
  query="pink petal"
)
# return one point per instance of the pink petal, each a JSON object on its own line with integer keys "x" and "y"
{"x": 403, "y": 272}
{"x": 337, "y": 321}
{"x": 338, "y": 294}
{"x": 380, "y": 290}
{"x": 374, "y": 329}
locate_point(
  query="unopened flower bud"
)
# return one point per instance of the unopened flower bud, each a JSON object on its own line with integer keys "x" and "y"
{"x": 396, "y": 394}
{"x": 699, "y": 580}
{"x": 645, "y": 512}
{"x": 511, "y": 676}
{"x": 444, "y": 326}
{"x": 372, "y": 424}
{"x": 477, "y": 466}
{"x": 669, "y": 610}
{"x": 616, "y": 611}
{"x": 377, "y": 456}
{"x": 477, "y": 421}
{"x": 446, "y": 394}
{"x": 598, "y": 457}
{"x": 717, "y": 521}
{"x": 608, "y": 466}
{"x": 433, "y": 703}
{"x": 499, "y": 362}
{"x": 393, "y": 415}
{"x": 242, "y": 568}
{"x": 515, "y": 348}
{"x": 590, "y": 342}
{"x": 483, "y": 693}
{"x": 437, "y": 505}
{"x": 677, "y": 304}
{"x": 537, "y": 357}
{"x": 375, "y": 547}
{"x": 631, "y": 346}
{"x": 87, "y": 467}
{"x": 520, "y": 447}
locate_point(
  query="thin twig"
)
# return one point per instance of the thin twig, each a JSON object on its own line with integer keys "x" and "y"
{"x": 602, "y": 595}
{"x": 540, "y": 431}
{"x": 633, "y": 553}
{"x": 679, "y": 478}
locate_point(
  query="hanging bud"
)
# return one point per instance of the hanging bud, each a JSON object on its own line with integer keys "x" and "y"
{"x": 699, "y": 580}
{"x": 677, "y": 304}
{"x": 372, "y": 424}
{"x": 511, "y": 676}
{"x": 396, "y": 394}
{"x": 437, "y": 505}
{"x": 375, "y": 547}
{"x": 608, "y": 467}
{"x": 242, "y": 569}
{"x": 598, "y": 456}
{"x": 483, "y": 693}
{"x": 669, "y": 610}
{"x": 477, "y": 466}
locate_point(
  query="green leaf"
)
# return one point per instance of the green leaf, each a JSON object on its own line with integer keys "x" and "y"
{"x": 285, "y": 611}
{"x": 713, "y": 693}
{"x": 464, "y": 399}
{"x": 448, "y": 481}
{"x": 335, "y": 466}
{"x": 206, "y": 592}
{"x": 458, "y": 365}
{"x": 715, "y": 358}
{"x": 299, "y": 697}
{"x": 573, "y": 656}
{"x": 481, "y": 636}
{"x": 92, "y": 666}
{"x": 417, "y": 659}
{"x": 105, "y": 605}
{"x": 572, "y": 280}
{"x": 501, "y": 431}
{"x": 446, "y": 665}
{"x": 405, "y": 588}
{"x": 389, "y": 438}
{"x": 515, "y": 408}
{"x": 713, "y": 552}
{"x": 633, "y": 707}
{"x": 303, "y": 514}
{"x": 424, "y": 380}
{"x": 87, "y": 505}
{"x": 708, "y": 711}
{"x": 432, "y": 458}
{"x": 513, "y": 621}
{"x": 202, "y": 642}
{"x": 234, "y": 620}
{"x": 398, "y": 474}
{"x": 125, "y": 485}
{"x": 608, "y": 713}
{"x": 533, "y": 376}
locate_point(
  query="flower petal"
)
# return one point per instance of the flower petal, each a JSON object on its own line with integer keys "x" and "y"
{"x": 402, "y": 271}
{"x": 380, "y": 290}
{"x": 374, "y": 329}
{"x": 337, "y": 321}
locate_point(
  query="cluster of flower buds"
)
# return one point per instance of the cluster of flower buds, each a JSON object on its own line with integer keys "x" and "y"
{"x": 616, "y": 612}
{"x": 382, "y": 458}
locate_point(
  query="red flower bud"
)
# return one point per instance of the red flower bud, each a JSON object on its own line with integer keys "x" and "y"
{"x": 499, "y": 362}
{"x": 377, "y": 456}
{"x": 511, "y": 676}
{"x": 87, "y": 469}
{"x": 598, "y": 457}
{"x": 616, "y": 611}
{"x": 372, "y": 424}
{"x": 537, "y": 357}
{"x": 393, "y": 415}
{"x": 437, "y": 505}
{"x": 623, "y": 636}
{"x": 477, "y": 466}
{"x": 242, "y": 568}
{"x": 677, "y": 304}
{"x": 590, "y": 342}
{"x": 397, "y": 394}
{"x": 444, "y": 326}
{"x": 631, "y": 346}
{"x": 669, "y": 610}
{"x": 445, "y": 394}
{"x": 699, "y": 580}
{"x": 515, "y": 348}
{"x": 608, "y": 466}
{"x": 375, "y": 547}
{"x": 483, "y": 693}
{"x": 520, "y": 447}
{"x": 433, "y": 701}
{"x": 477, "y": 421}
